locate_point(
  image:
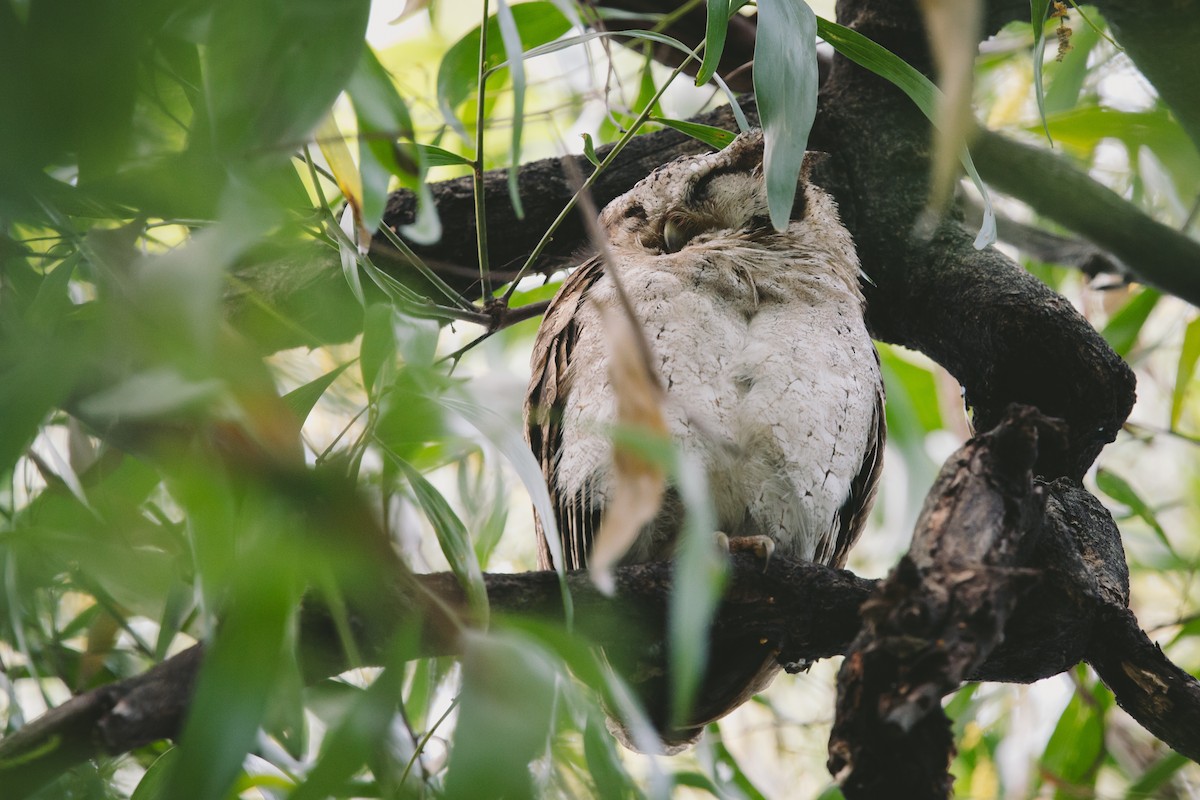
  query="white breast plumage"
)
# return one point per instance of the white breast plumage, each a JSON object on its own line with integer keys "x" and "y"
{"x": 772, "y": 383}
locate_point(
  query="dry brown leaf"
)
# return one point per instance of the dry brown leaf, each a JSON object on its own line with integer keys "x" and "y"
{"x": 638, "y": 483}
{"x": 952, "y": 27}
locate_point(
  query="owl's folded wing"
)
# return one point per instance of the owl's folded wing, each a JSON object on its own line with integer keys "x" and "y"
{"x": 578, "y": 519}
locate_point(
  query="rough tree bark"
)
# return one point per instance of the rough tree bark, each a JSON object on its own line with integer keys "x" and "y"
{"x": 1005, "y": 336}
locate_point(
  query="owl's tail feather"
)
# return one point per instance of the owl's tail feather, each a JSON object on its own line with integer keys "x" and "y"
{"x": 738, "y": 668}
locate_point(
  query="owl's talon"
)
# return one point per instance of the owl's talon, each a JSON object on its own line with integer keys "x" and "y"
{"x": 722, "y": 540}
{"x": 762, "y": 546}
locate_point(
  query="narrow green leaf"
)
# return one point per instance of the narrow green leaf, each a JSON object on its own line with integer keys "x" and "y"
{"x": 1037, "y": 15}
{"x": 886, "y": 64}
{"x": 1074, "y": 749}
{"x": 377, "y": 353}
{"x": 52, "y": 302}
{"x": 505, "y": 717}
{"x": 647, "y": 90}
{"x": 726, "y": 762}
{"x": 1070, "y": 74}
{"x": 589, "y": 150}
{"x": 153, "y": 785}
{"x": 511, "y": 38}
{"x": 650, "y": 36}
{"x": 383, "y": 119}
{"x": 1120, "y": 490}
{"x": 500, "y": 432}
{"x": 361, "y": 732}
{"x": 785, "y": 85}
{"x": 1123, "y": 329}
{"x": 155, "y": 393}
{"x": 715, "y": 28}
{"x": 440, "y": 157}
{"x": 235, "y": 683}
{"x": 180, "y": 602}
{"x": 700, "y": 573}
{"x": 458, "y": 74}
{"x": 1156, "y": 775}
{"x": 302, "y": 399}
{"x": 454, "y": 540}
{"x": 273, "y": 69}
{"x": 603, "y": 763}
{"x": 717, "y": 138}
{"x": 1185, "y": 370}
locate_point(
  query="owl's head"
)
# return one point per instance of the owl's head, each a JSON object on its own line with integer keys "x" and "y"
{"x": 698, "y": 199}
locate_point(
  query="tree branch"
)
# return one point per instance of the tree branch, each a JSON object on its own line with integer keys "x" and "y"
{"x": 938, "y": 616}
{"x": 1153, "y": 253}
{"x": 1063, "y": 611}
{"x": 1154, "y": 36}
{"x": 1045, "y": 245}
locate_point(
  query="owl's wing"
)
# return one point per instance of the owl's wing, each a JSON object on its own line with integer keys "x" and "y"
{"x": 577, "y": 518}
{"x": 853, "y": 514}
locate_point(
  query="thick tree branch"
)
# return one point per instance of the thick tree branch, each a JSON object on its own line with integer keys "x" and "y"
{"x": 806, "y": 611}
{"x": 938, "y": 616}
{"x": 1046, "y": 246}
{"x": 1155, "y": 692}
{"x": 1153, "y": 253}
{"x": 1155, "y": 36}
{"x": 1003, "y": 334}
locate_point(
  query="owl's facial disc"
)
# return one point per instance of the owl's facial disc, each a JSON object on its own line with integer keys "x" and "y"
{"x": 693, "y": 199}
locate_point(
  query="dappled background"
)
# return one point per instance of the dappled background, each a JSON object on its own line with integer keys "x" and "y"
{"x": 149, "y": 461}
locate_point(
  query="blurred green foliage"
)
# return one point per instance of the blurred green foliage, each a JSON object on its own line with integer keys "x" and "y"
{"x": 169, "y": 478}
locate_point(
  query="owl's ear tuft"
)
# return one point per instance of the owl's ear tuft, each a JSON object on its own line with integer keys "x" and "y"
{"x": 800, "y": 202}
{"x": 635, "y": 211}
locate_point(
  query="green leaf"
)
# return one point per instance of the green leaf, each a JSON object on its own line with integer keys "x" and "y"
{"x": 302, "y": 399}
{"x": 1157, "y": 775}
{"x": 516, "y": 68}
{"x": 383, "y": 119}
{"x": 725, "y": 763}
{"x": 1119, "y": 489}
{"x": 360, "y": 733}
{"x": 454, "y": 540}
{"x": 51, "y": 302}
{"x": 377, "y": 353}
{"x": 458, "y": 74}
{"x": 700, "y": 576}
{"x": 273, "y": 69}
{"x": 1037, "y": 15}
{"x": 717, "y": 138}
{"x": 1075, "y": 747}
{"x": 1069, "y": 74}
{"x": 1122, "y": 330}
{"x": 158, "y": 392}
{"x": 440, "y": 157}
{"x": 504, "y": 718}
{"x": 1185, "y": 370}
{"x": 153, "y": 785}
{"x": 236, "y": 680}
{"x": 603, "y": 763}
{"x": 500, "y": 432}
{"x": 886, "y": 64}
{"x": 589, "y": 149}
{"x": 785, "y": 85}
{"x": 715, "y": 28}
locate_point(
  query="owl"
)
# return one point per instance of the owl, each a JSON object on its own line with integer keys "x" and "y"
{"x": 771, "y": 383}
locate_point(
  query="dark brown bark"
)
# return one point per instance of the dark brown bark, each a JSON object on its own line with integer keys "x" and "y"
{"x": 1063, "y": 569}
{"x": 938, "y": 616}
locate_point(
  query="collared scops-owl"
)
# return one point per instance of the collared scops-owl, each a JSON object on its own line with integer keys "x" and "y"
{"x": 771, "y": 381}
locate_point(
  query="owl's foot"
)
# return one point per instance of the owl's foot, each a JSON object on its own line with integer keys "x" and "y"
{"x": 761, "y": 546}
